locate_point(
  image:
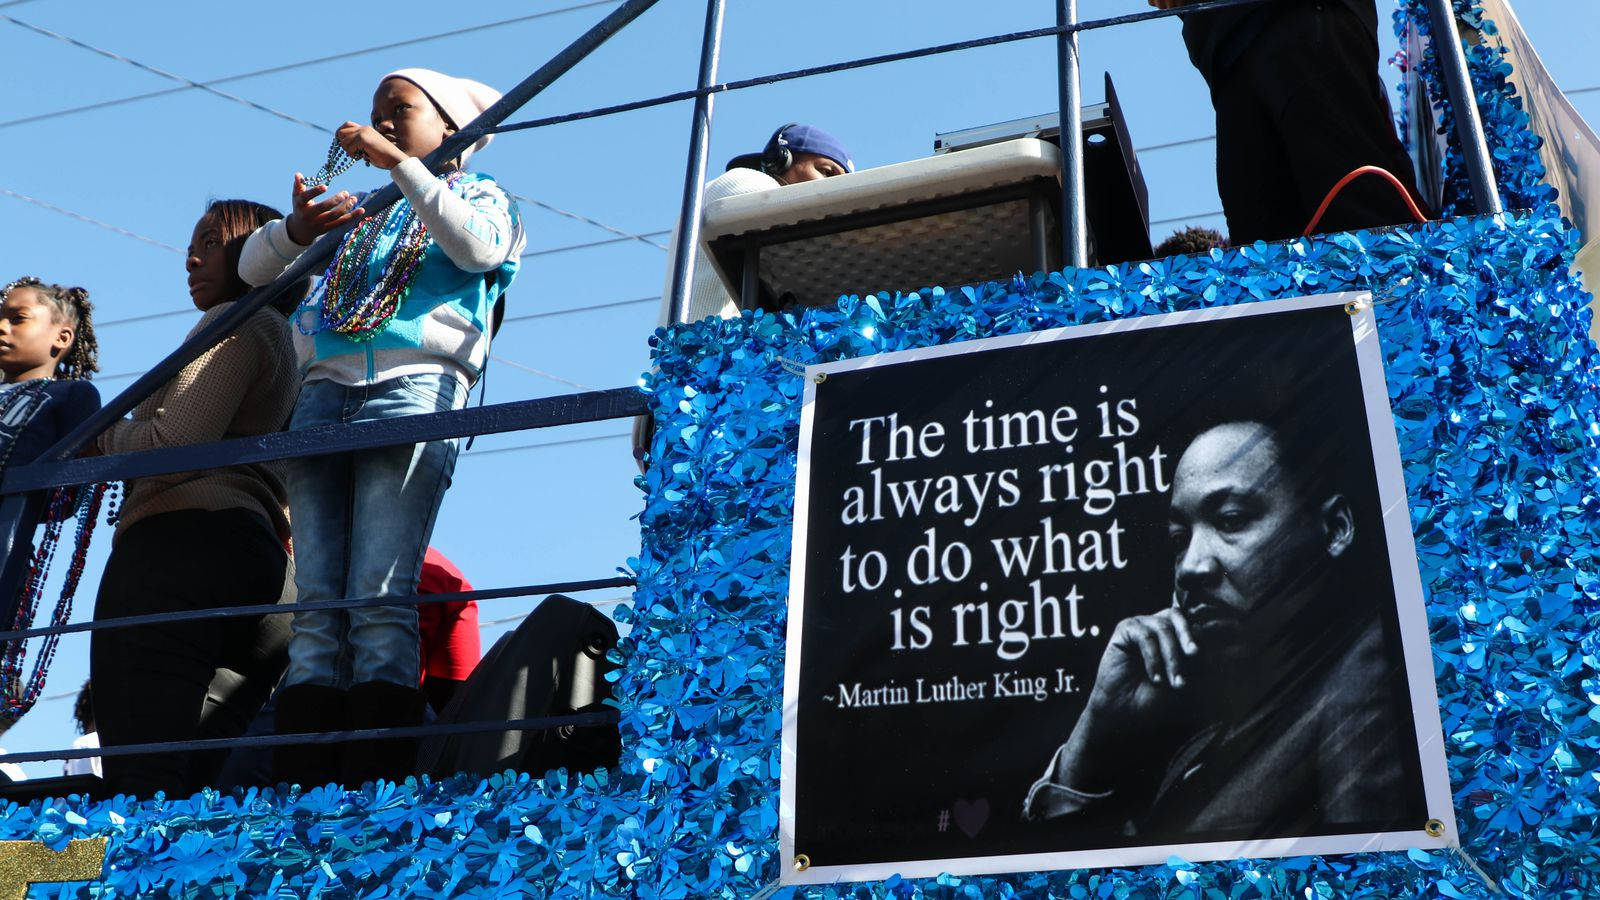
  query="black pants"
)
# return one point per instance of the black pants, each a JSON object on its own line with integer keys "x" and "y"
{"x": 1299, "y": 109}
{"x": 186, "y": 680}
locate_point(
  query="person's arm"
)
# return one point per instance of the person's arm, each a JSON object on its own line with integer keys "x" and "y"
{"x": 478, "y": 231}
{"x": 1048, "y": 799}
{"x": 267, "y": 252}
{"x": 200, "y": 401}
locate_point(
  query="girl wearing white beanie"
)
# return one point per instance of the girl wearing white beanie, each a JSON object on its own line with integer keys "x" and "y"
{"x": 399, "y": 325}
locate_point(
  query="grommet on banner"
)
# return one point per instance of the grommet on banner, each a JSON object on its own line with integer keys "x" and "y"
{"x": 1354, "y": 307}
{"x": 802, "y": 862}
{"x": 821, "y": 377}
{"x": 1434, "y": 828}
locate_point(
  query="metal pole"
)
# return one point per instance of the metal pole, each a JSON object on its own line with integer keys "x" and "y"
{"x": 1074, "y": 221}
{"x": 694, "y": 179}
{"x": 1463, "y": 102}
{"x": 316, "y": 258}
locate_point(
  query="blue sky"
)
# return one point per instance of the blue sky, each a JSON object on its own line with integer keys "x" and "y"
{"x": 565, "y": 511}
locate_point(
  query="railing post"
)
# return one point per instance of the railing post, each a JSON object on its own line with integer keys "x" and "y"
{"x": 1464, "y": 103}
{"x": 694, "y": 178}
{"x": 1074, "y": 221}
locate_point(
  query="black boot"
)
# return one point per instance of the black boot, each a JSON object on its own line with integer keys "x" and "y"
{"x": 303, "y": 709}
{"x": 380, "y": 704}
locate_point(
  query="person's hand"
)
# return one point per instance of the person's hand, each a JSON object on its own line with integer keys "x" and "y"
{"x": 1143, "y": 675}
{"x": 364, "y": 142}
{"x": 1146, "y": 665}
{"x": 311, "y": 219}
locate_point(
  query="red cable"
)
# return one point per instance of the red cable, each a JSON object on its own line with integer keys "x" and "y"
{"x": 1411, "y": 204}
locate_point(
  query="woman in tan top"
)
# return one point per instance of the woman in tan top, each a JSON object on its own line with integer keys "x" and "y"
{"x": 195, "y": 540}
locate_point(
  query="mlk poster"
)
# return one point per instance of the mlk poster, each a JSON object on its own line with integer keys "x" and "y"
{"x": 1104, "y": 595}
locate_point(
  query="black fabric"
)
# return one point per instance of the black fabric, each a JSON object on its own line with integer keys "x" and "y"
{"x": 70, "y": 403}
{"x": 186, "y": 680}
{"x": 380, "y": 704}
{"x": 301, "y": 709}
{"x": 67, "y": 404}
{"x": 533, "y": 672}
{"x": 1217, "y": 39}
{"x": 1299, "y": 106}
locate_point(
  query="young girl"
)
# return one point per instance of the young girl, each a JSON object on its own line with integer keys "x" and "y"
{"x": 46, "y": 336}
{"x": 197, "y": 540}
{"x": 399, "y": 325}
{"x": 47, "y": 351}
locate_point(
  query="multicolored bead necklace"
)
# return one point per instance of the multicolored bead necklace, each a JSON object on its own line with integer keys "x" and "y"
{"x": 352, "y": 304}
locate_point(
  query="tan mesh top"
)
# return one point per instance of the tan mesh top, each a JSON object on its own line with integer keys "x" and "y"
{"x": 245, "y": 385}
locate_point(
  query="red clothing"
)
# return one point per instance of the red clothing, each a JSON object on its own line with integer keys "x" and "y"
{"x": 449, "y": 631}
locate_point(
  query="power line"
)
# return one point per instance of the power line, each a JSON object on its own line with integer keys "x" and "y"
{"x": 581, "y": 309}
{"x": 541, "y": 373}
{"x": 95, "y": 222}
{"x": 584, "y": 246}
{"x": 588, "y": 221}
{"x": 542, "y": 444}
{"x": 272, "y": 70}
{"x": 111, "y": 323}
{"x": 146, "y": 67}
{"x": 190, "y": 83}
{"x": 1189, "y": 218}
{"x": 1170, "y": 144}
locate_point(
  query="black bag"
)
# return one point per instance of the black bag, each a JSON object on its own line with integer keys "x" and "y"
{"x": 553, "y": 664}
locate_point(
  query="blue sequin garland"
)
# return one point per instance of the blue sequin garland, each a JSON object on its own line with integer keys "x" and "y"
{"x": 1491, "y": 381}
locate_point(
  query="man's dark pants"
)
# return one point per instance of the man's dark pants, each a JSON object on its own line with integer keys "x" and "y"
{"x": 1299, "y": 109}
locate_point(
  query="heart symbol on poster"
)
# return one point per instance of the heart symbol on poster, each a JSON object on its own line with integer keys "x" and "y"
{"x": 970, "y": 817}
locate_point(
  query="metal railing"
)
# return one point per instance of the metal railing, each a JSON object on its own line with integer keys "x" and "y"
{"x": 57, "y": 467}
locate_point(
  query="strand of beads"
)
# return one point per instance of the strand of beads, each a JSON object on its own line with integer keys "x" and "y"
{"x": 338, "y": 163}
{"x": 352, "y": 304}
{"x": 88, "y": 513}
{"x": 17, "y": 696}
{"x": 114, "y": 493}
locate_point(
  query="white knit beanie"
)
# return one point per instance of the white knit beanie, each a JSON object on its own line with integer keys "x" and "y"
{"x": 461, "y": 99}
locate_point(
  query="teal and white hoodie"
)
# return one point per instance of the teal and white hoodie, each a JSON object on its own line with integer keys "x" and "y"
{"x": 442, "y": 327}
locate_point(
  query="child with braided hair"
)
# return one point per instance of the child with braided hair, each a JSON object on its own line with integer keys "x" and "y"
{"x": 47, "y": 353}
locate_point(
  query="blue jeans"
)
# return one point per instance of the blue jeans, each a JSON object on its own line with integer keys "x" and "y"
{"x": 361, "y": 525}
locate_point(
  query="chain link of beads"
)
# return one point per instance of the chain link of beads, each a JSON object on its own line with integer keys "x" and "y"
{"x": 114, "y": 494}
{"x": 338, "y": 163}
{"x": 352, "y": 304}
